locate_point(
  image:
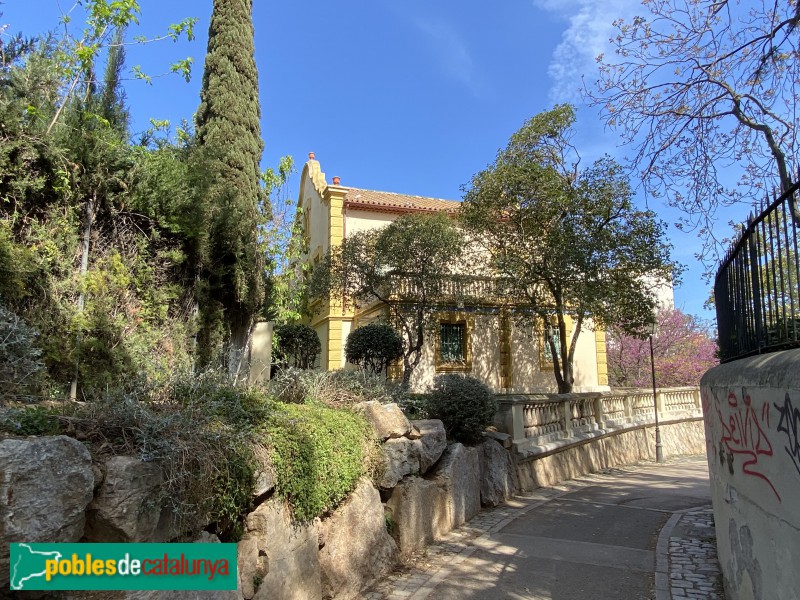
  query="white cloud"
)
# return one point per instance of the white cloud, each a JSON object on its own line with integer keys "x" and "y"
{"x": 587, "y": 34}
{"x": 450, "y": 50}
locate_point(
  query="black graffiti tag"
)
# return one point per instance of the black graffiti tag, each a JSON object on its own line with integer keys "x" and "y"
{"x": 790, "y": 425}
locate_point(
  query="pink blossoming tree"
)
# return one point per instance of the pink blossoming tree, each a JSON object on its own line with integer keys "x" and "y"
{"x": 682, "y": 347}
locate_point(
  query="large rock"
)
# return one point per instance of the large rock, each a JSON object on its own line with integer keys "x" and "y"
{"x": 412, "y": 512}
{"x": 402, "y": 458}
{"x": 277, "y": 559}
{"x": 356, "y": 548}
{"x": 45, "y": 485}
{"x": 503, "y": 439}
{"x": 498, "y": 476}
{"x": 387, "y": 420}
{"x": 458, "y": 475}
{"x": 128, "y": 507}
{"x": 432, "y": 442}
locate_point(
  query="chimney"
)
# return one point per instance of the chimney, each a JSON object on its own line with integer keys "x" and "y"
{"x": 336, "y": 180}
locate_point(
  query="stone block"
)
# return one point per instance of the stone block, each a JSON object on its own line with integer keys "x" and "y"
{"x": 432, "y": 442}
{"x": 458, "y": 476}
{"x": 498, "y": 475}
{"x": 411, "y": 509}
{"x": 402, "y": 458}
{"x": 387, "y": 420}
{"x": 127, "y": 507}
{"x": 503, "y": 439}
{"x": 45, "y": 485}
{"x": 289, "y": 553}
{"x": 356, "y": 548}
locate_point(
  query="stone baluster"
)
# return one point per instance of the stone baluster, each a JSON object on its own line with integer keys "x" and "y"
{"x": 599, "y": 413}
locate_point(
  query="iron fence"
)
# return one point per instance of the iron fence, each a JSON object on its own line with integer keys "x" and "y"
{"x": 756, "y": 288}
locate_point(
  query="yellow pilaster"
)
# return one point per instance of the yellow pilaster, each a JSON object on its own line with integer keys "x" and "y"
{"x": 333, "y": 198}
{"x": 334, "y": 344}
{"x": 602, "y": 357}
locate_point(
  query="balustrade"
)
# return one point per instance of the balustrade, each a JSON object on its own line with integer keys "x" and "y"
{"x": 540, "y": 419}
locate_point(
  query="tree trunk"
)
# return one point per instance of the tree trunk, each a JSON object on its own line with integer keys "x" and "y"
{"x": 237, "y": 350}
{"x": 407, "y": 370}
{"x": 87, "y": 236}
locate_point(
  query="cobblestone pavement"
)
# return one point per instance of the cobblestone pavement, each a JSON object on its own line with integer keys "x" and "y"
{"x": 694, "y": 569}
{"x": 690, "y": 554}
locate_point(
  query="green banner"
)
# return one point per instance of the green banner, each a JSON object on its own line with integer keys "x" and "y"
{"x": 123, "y": 567}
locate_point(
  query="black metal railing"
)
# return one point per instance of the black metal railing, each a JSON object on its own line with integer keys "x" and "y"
{"x": 756, "y": 288}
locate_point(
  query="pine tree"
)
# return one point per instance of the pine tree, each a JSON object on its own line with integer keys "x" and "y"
{"x": 229, "y": 142}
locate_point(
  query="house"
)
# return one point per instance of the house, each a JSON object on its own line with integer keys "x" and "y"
{"x": 476, "y": 335}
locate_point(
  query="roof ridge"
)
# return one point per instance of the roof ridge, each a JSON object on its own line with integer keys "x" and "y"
{"x": 401, "y": 194}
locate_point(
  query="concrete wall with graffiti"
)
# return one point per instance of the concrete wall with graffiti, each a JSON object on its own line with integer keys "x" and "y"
{"x": 751, "y": 409}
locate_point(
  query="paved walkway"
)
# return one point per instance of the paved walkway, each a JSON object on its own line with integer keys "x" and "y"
{"x": 631, "y": 533}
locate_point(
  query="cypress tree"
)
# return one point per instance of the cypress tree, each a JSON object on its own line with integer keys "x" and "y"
{"x": 229, "y": 142}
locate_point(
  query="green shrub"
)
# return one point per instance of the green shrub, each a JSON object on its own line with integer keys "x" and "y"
{"x": 296, "y": 345}
{"x": 199, "y": 428}
{"x": 334, "y": 388}
{"x": 464, "y": 404}
{"x": 318, "y": 454}
{"x": 374, "y": 346}
{"x": 30, "y": 420}
{"x": 21, "y": 366}
{"x": 414, "y": 406}
{"x": 291, "y": 385}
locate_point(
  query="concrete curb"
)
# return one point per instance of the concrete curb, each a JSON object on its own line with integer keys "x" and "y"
{"x": 663, "y": 587}
{"x": 662, "y": 558}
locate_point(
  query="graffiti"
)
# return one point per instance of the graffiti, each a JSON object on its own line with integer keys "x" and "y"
{"x": 742, "y": 433}
{"x": 790, "y": 425}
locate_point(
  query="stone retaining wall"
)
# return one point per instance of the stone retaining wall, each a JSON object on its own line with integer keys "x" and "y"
{"x": 50, "y": 491}
{"x": 620, "y": 448}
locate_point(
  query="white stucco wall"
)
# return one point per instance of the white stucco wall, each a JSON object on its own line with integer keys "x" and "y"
{"x": 751, "y": 411}
{"x": 585, "y": 368}
{"x": 364, "y": 220}
{"x": 347, "y": 327}
{"x": 527, "y": 372}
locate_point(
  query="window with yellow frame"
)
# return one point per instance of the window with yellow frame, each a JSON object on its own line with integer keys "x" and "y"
{"x": 454, "y": 342}
{"x": 547, "y": 331}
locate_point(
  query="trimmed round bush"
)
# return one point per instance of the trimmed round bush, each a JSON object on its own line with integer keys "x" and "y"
{"x": 374, "y": 346}
{"x": 297, "y": 345}
{"x": 465, "y": 405}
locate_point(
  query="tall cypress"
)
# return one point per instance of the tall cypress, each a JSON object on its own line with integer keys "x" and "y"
{"x": 229, "y": 142}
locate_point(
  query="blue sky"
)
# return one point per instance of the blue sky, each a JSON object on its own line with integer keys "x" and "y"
{"x": 412, "y": 96}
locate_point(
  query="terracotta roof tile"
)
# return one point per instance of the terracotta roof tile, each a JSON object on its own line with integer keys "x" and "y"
{"x": 391, "y": 202}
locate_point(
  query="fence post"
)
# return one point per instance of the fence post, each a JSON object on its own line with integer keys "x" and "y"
{"x": 755, "y": 282}
{"x": 628, "y": 408}
{"x": 698, "y": 401}
{"x": 518, "y": 421}
{"x": 660, "y": 402}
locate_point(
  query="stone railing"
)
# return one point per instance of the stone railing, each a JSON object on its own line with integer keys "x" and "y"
{"x": 542, "y": 422}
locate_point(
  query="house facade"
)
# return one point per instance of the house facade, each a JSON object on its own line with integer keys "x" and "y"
{"x": 476, "y": 332}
